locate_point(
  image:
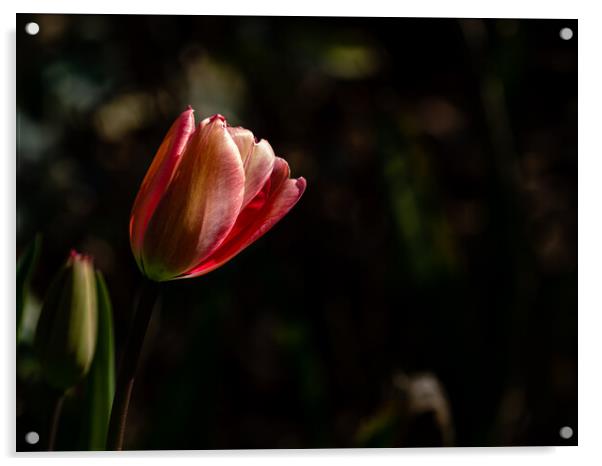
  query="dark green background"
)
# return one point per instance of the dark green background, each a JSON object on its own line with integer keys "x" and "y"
{"x": 438, "y": 232}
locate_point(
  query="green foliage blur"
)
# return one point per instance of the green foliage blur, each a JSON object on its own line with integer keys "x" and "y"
{"x": 65, "y": 348}
{"x": 424, "y": 290}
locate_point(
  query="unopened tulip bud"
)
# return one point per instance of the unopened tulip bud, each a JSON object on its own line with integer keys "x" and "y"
{"x": 66, "y": 334}
{"x": 209, "y": 193}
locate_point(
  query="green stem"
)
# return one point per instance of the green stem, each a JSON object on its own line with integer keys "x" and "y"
{"x": 54, "y": 423}
{"x": 129, "y": 364}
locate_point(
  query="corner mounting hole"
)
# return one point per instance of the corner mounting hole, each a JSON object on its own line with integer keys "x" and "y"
{"x": 566, "y": 432}
{"x": 32, "y": 28}
{"x": 566, "y": 33}
{"x": 32, "y": 437}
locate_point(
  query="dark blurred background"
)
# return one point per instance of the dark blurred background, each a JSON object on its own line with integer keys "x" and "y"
{"x": 424, "y": 290}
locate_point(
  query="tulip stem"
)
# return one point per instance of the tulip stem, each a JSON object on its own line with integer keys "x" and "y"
{"x": 54, "y": 423}
{"x": 129, "y": 364}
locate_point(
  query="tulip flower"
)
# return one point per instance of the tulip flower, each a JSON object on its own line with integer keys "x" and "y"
{"x": 66, "y": 334}
{"x": 209, "y": 193}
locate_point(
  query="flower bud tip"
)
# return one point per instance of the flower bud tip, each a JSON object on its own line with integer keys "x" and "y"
{"x": 217, "y": 116}
{"x": 74, "y": 255}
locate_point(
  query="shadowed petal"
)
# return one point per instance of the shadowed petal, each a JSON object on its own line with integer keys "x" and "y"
{"x": 200, "y": 206}
{"x": 278, "y": 196}
{"x": 158, "y": 177}
{"x": 257, "y": 159}
{"x": 258, "y": 168}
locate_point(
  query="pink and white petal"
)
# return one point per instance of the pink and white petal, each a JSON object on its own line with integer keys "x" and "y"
{"x": 158, "y": 176}
{"x": 244, "y": 140}
{"x": 272, "y": 203}
{"x": 200, "y": 206}
{"x": 258, "y": 169}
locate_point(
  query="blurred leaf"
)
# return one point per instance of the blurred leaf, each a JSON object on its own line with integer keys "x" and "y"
{"x": 29, "y": 319}
{"x": 379, "y": 430}
{"x": 100, "y": 384}
{"x": 423, "y": 230}
{"x": 25, "y": 267}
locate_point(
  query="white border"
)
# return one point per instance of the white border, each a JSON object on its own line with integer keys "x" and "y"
{"x": 438, "y": 8}
{"x": 590, "y": 233}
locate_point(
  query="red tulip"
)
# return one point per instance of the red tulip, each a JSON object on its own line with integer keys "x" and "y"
{"x": 209, "y": 193}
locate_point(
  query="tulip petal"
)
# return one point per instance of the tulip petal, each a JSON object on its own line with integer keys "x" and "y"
{"x": 244, "y": 140}
{"x": 159, "y": 176}
{"x": 279, "y": 194}
{"x": 257, "y": 159}
{"x": 200, "y": 206}
{"x": 258, "y": 169}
